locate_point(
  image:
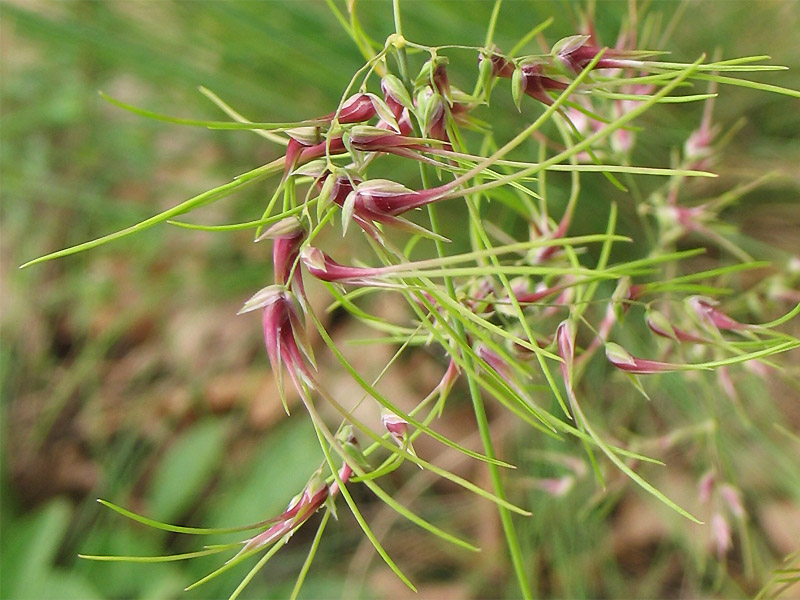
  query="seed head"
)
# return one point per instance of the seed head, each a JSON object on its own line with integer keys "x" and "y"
{"x": 288, "y": 235}
{"x": 625, "y": 361}
{"x": 500, "y": 65}
{"x": 721, "y": 535}
{"x": 284, "y": 337}
{"x": 533, "y": 82}
{"x": 577, "y": 51}
{"x": 323, "y": 267}
{"x": 712, "y": 317}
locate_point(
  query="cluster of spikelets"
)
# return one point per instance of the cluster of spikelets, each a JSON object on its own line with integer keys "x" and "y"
{"x": 498, "y": 322}
{"x": 434, "y": 110}
{"x": 422, "y": 122}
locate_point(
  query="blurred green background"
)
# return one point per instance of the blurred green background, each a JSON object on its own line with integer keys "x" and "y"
{"x": 125, "y": 373}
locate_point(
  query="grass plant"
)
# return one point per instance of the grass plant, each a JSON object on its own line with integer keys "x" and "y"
{"x": 602, "y": 339}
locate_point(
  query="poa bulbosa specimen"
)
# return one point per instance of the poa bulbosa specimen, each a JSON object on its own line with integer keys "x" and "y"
{"x": 475, "y": 234}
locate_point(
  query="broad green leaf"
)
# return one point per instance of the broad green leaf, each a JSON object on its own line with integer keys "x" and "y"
{"x": 186, "y": 468}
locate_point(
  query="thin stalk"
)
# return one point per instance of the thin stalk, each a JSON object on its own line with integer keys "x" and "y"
{"x": 363, "y": 48}
{"x": 212, "y": 195}
{"x": 310, "y": 557}
{"x": 512, "y": 540}
{"x": 399, "y": 45}
{"x": 492, "y": 23}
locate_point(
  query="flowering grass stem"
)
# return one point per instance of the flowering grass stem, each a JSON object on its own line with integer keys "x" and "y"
{"x": 526, "y": 294}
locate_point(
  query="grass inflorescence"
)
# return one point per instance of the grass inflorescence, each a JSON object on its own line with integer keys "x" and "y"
{"x": 475, "y": 235}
